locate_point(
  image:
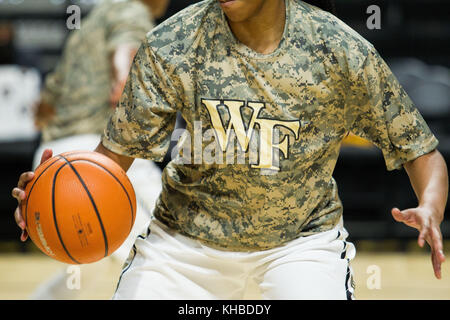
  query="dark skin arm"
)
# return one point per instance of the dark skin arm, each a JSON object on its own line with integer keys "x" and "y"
{"x": 124, "y": 161}
{"x": 429, "y": 178}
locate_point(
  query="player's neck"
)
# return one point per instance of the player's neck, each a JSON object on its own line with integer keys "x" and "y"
{"x": 263, "y": 31}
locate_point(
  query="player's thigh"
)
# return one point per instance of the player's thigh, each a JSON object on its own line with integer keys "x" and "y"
{"x": 167, "y": 267}
{"x": 319, "y": 273}
{"x": 306, "y": 280}
{"x": 167, "y": 279}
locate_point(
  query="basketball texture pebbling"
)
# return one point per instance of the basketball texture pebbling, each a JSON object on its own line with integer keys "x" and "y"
{"x": 80, "y": 207}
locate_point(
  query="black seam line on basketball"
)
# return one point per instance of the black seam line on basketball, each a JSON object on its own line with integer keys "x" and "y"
{"x": 54, "y": 215}
{"x": 31, "y": 189}
{"x": 74, "y": 153}
{"x": 112, "y": 175}
{"x": 118, "y": 181}
{"x": 93, "y": 204}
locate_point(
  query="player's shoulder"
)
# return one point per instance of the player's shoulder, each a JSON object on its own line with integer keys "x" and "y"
{"x": 177, "y": 35}
{"x": 329, "y": 30}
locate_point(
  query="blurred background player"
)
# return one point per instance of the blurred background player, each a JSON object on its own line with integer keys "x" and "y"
{"x": 77, "y": 101}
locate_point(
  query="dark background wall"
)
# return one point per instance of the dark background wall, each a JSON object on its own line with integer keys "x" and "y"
{"x": 414, "y": 39}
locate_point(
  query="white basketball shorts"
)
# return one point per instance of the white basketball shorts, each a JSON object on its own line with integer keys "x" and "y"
{"x": 167, "y": 265}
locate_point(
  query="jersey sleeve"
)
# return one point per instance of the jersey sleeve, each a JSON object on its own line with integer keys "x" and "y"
{"x": 145, "y": 117}
{"x": 378, "y": 109}
{"x": 127, "y": 23}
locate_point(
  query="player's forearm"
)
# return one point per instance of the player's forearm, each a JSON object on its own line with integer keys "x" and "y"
{"x": 124, "y": 161}
{"x": 429, "y": 178}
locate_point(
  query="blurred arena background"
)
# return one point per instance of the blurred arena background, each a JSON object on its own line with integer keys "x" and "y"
{"x": 414, "y": 39}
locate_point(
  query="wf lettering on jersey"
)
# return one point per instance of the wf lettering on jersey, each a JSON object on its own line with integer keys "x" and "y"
{"x": 268, "y": 140}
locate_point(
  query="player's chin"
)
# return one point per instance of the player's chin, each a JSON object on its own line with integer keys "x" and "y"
{"x": 233, "y": 9}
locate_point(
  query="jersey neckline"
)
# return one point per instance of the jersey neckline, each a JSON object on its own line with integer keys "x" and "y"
{"x": 246, "y": 51}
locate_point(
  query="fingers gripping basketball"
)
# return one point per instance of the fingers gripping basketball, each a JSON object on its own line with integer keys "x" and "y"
{"x": 80, "y": 207}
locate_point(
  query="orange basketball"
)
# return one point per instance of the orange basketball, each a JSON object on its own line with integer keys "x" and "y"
{"x": 80, "y": 207}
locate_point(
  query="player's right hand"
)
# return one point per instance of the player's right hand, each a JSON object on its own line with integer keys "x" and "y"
{"x": 19, "y": 193}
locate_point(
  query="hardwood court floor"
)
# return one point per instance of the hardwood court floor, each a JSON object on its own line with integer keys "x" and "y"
{"x": 402, "y": 276}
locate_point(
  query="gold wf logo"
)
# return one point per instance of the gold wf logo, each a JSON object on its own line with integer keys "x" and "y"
{"x": 269, "y": 136}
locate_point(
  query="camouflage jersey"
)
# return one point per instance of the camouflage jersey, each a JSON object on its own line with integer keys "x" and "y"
{"x": 79, "y": 88}
{"x": 293, "y": 106}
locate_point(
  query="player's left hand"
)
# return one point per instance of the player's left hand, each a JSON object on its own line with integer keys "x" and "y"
{"x": 428, "y": 222}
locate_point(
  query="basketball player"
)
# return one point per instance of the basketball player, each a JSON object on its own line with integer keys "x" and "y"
{"x": 290, "y": 80}
{"x": 79, "y": 97}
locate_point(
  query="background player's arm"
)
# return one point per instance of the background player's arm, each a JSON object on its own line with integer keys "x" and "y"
{"x": 429, "y": 178}
{"x": 121, "y": 60}
{"x": 126, "y": 28}
{"x": 43, "y": 113}
{"x": 45, "y": 110}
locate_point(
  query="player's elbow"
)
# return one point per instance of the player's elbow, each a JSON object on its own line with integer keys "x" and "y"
{"x": 433, "y": 158}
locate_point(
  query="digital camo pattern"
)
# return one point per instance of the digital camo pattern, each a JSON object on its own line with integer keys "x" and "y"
{"x": 80, "y": 86}
{"x": 324, "y": 80}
